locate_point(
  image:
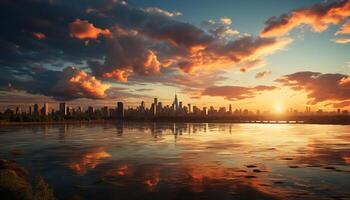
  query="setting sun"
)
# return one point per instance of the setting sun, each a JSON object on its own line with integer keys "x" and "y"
{"x": 137, "y": 99}
{"x": 278, "y": 108}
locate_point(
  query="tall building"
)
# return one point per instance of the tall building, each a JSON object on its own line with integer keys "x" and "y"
{"x": 45, "y": 109}
{"x": 176, "y": 103}
{"x": 204, "y": 110}
{"x": 63, "y": 109}
{"x": 91, "y": 110}
{"x": 155, "y": 105}
{"x": 143, "y": 106}
{"x": 30, "y": 111}
{"x": 159, "y": 108}
{"x": 36, "y": 109}
{"x": 18, "y": 111}
{"x": 230, "y": 109}
{"x": 79, "y": 110}
{"x": 120, "y": 110}
{"x": 105, "y": 111}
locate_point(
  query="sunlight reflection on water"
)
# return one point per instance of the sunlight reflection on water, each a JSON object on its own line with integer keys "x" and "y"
{"x": 186, "y": 160}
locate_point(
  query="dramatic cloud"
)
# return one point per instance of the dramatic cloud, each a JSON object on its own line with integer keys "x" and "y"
{"x": 245, "y": 50}
{"x": 345, "y": 29}
{"x": 36, "y": 33}
{"x": 319, "y": 87}
{"x": 82, "y": 29}
{"x": 70, "y": 83}
{"x": 75, "y": 83}
{"x": 125, "y": 43}
{"x": 127, "y": 53}
{"x": 262, "y": 74}
{"x": 318, "y": 16}
{"x": 236, "y": 92}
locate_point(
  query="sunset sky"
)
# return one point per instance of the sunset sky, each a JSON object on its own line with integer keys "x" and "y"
{"x": 252, "y": 54}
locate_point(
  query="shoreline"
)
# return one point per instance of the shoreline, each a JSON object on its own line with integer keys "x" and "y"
{"x": 175, "y": 120}
{"x": 55, "y": 122}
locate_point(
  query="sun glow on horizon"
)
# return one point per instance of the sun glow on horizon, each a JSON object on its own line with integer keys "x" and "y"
{"x": 278, "y": 109}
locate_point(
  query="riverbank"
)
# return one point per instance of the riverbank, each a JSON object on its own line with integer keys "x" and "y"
{"x": 16, "y": 184}
{"x": 325, "y": 120}
{"x": 6, "y": 123}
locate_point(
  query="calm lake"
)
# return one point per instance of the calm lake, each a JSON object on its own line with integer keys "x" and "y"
{"x": 185, "y": 160}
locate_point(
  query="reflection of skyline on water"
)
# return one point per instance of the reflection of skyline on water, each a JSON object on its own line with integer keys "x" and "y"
{"x": 187, "y": 160}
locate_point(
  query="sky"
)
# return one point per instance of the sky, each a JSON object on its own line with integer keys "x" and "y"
{"x": 259, "y": 55}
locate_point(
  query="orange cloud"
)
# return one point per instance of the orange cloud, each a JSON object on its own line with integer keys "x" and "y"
{"x": 245, "y": 50}
{"x": 345, "y": 82}
{"x": 77, "y": 83}
{"x": 345, "y": 29}
{"x": 319, "y": 87}
{"x": 82, "y": 29}
{"x": 39, "y": 35}
{"x": 236, "y": 92}
{"x": 318, "y": 16}
{"x": 151, "y": 64}
{"x": 118, "y": 74}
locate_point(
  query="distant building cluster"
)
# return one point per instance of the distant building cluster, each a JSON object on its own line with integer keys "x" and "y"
{"x": 64, "y": 112}
{"x": 155, "y": 110}
{"x": 178, "y": 108}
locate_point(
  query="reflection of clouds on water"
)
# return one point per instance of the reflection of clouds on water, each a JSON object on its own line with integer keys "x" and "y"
{"x": 194, "y": 179}
{"x": 189, "y": 160}
{"x": 121, "y": 170}
{"x": 322, "y": 153}
{"x": 88, "y": 160}
{"x": 152, "y": 180}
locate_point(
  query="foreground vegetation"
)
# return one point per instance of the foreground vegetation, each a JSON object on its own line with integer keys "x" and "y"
{"x": 15, "y": 184}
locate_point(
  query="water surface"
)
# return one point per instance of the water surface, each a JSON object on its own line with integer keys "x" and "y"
{"x": 185, "y": 160}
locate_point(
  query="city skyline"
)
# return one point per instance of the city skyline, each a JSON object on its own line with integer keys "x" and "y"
{"x": 156, "y": 109}
{"x": 174, "y": 99}
{"x": 287, "y": 55}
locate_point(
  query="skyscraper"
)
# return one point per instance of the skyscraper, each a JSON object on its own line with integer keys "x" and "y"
{"x": 120, "y": 110}
{"x": 63, "y": 109}
{"x": 30, "y": 110}
{"x": 176, "y": 103}
{"x": 91, "y": 110}
{"x": 45, "y": 109}
{"x": 105, "y": 111}
{"x": 143, "y": 106}
{"x": 36, "y": 109}
{"x": 155, "y": 104}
